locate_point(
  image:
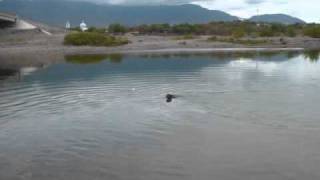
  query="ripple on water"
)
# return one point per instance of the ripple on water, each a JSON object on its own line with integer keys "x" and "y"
{"x": 106, "y": 121}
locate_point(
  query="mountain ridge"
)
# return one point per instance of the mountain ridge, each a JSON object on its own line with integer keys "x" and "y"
{"x": 57, "y": 12}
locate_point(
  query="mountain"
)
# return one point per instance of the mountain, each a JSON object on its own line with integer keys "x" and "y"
{"x": 277, "y": 18}
{"x": 57, "y": 12}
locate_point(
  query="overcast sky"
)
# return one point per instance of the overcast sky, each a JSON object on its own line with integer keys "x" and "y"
{"x": 308, "y": 10}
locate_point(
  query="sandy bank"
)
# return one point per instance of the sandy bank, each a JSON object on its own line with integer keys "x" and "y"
{"x": 35, "y": 42}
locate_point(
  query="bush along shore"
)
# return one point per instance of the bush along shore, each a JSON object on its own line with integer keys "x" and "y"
{"x": 93, "y": 39}
{"x": 236, "y": 29}
{"x": 163, "y": 37}
{"x": 237, "y": 32}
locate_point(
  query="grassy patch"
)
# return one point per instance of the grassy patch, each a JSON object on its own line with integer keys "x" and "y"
{"x": 312, "y": 31}
{"x": 93, "y": 39}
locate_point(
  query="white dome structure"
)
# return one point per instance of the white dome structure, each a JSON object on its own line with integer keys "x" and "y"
{"x": 83, "y": 26}
{"x": 68, "y": 25}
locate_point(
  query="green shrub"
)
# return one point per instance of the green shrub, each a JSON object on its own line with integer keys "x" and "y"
{"x": 312, "y": 31}
{"x": 93, "y": 39}
{"x": 236, "y": 29}
{"x": 278, "y": 28}
{"x": 238, "y": 33}
{"x": 97, "y": 30}
{"x": 266, "y": 32}
{"x": 291, "y": 32}
{"x": 185, "y": 28}
{"x": 117, "y": 28}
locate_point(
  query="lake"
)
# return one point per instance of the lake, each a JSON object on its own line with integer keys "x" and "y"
{"x": 238, "y": 116}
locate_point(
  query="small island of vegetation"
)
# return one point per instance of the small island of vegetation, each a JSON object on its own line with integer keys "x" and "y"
{"x": 93, "y": 39}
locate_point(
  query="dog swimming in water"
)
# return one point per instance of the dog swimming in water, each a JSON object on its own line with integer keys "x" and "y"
{"x": 170, "y": 97}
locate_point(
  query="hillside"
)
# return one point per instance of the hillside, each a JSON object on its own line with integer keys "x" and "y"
{"x": 276, "y": 18}
{"x": 56, "y": 12}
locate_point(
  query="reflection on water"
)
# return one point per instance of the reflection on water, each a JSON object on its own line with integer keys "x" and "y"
{"x": 237, "y": 116}
{"x": 232, "y": 55}
{"x": 91, "y": 59}
{"x": 16, "y": 66}
{"x": 16, "y": 74}
{"x": 5, "y": 73}
{"x": 312, "y": 55}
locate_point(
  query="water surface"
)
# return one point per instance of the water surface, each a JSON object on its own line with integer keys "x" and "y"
{"x": 238, "y": 116}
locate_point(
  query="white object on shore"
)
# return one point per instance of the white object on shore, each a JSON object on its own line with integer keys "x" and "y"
{"x": 83, "y": 26}
{"x": 68, "y": 25}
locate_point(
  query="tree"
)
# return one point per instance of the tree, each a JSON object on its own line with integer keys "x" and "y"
{"x": 266, "y": 32}
{"x": 238, "y": 33}
{"x": 291, "y": 32}
{"x": 117, "y": 28}
{"x": 312, "y": 31}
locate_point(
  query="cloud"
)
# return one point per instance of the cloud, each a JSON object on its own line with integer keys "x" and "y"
{"x": 246, "y": 8}
{"x": 243, "y": 8}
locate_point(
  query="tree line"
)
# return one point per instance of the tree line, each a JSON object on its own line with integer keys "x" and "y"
{"x": 236, "y": 29}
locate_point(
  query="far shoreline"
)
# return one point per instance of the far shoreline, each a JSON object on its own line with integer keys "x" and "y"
{"x": 200, "y": 50}
{"x": 39, "y": 46}
{"x": 35, "y": 43}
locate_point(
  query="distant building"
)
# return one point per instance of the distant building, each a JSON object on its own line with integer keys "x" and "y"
{"x": 83, "y": 26}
